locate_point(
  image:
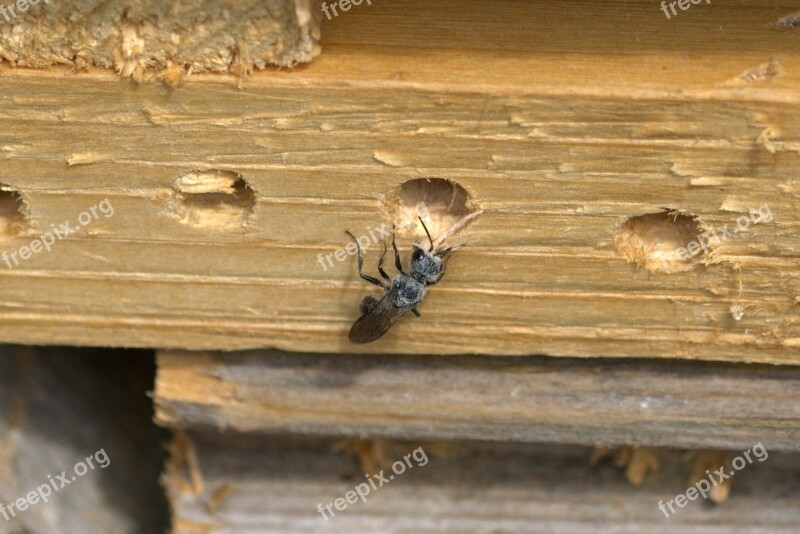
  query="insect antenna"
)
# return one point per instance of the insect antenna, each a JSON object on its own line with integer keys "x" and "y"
{"x": 428, "y": 234}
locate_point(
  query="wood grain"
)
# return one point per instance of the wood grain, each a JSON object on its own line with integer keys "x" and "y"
{"x": 562, "y": 120}
{"x": 275, "y": 485}
{"x": 592, "y": 402}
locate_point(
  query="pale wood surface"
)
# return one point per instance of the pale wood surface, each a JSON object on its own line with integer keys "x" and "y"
{"x": 561, "y": 119}
{"x": 690, "y": 405}
{"x": 262, "y": 485}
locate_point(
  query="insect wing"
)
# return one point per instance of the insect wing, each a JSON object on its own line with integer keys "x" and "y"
{"x": 374, "y": 324}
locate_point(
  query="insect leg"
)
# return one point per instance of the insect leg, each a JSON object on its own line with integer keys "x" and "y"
{"x": 397, "y": 262}
{"x": 368, "y": 278}
{"x": 380, "y": 264}
{"x": 428, "y": 234}
{"x": 415, "y": 310}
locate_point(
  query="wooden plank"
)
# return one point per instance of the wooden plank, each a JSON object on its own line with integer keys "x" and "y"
{"x": 572, "y": 136}
{"x": 691, "y": 405}
{"x": 251, "y": 484}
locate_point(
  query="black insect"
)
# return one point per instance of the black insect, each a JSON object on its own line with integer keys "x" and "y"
{"x": 403, "y": 293}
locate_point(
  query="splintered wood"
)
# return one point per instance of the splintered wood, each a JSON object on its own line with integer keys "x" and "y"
{"x": 279, "y": 484}
{"x": 153, "y": 39}
{"x": 629, "y": 199}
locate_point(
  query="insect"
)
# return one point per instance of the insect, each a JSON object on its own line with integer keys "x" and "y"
{"x": 789, "y": 22}
{"x": 403, "y": 293}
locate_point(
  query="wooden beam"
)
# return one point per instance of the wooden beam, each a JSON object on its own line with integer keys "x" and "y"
{"x": 232, "y": 483}
{"x": 596, "y": 140}
{"x": 690, "y": 405}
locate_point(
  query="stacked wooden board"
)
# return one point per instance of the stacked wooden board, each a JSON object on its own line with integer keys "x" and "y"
{"x": 598, "y": 140}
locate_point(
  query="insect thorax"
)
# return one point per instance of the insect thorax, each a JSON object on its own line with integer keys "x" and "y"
{"x": 425, "y": 265}
{"x": 409, "y": 291}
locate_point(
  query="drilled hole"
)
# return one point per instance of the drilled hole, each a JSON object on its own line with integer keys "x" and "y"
{"x": 659, "y": 241}
{"x": 12, "y": 212}
{"x": 442, "y": 203}
{"x": 213, "y": 198}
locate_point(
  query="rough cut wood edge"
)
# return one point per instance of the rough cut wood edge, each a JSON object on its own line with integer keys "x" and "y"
{"x": 162, "y": 40}
{"x": 638, "y": 402}
{"x": 559, "y": 118}
{"x": 246, "y": 484}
